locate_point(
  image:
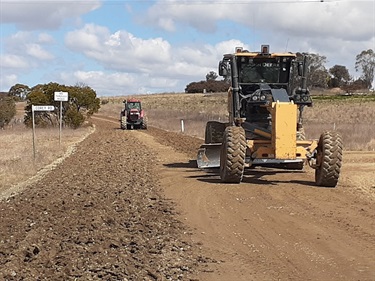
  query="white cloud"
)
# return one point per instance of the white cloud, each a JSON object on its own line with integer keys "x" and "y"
{"x": 148, "y": 64}
{"x": 47, "y": 14}
{"x": 116, "y": 83}
{"x": 45, "y": 38}
{"x": 13, "y": 62}
{"x": 7, "y": 81}
{"x": 118, "y": 58}
{"x": 338, "y": 30}
{"x": 167, "y": 24}
{"x": 152, "y": 58}
{"x": 120, "y": 50}
{"x": 38, "y": 52}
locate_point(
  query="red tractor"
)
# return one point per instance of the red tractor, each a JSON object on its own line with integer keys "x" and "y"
{"x": 132, "y": 116}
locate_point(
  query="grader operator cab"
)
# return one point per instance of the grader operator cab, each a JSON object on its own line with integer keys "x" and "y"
{"x": 265, "y": 125}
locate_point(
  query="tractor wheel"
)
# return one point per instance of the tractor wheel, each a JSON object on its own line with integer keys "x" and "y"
{"x": 232, "y": 157}
{"x": 329, "y": 157}
{"x": 123, "y": 123}
{"x": 214, "y": 132}
{"x": 144, "y": 123}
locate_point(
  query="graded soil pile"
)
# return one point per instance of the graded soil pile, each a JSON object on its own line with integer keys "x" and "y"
{"x": 99, "y": 215}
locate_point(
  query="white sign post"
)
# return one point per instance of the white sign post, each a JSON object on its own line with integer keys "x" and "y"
{"x": 61, "y": 96}
{"x": 38, "y": 108}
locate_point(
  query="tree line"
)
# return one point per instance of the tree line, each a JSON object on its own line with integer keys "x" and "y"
{"x": 81, "y": 105}
{"x": 318, "y": 76}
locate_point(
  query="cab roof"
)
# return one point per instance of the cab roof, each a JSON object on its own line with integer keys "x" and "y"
{"x": 260, "y": 55}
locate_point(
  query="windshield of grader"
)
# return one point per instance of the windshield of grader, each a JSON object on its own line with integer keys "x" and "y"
{"x": 263, "y": 70}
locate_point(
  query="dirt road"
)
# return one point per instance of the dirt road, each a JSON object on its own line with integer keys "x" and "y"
{"x": 131, "y": 205}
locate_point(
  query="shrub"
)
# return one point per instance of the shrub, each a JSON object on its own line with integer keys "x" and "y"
{"x": 73, "y": 118}
{"x": 211, "y": 86}
{"x": 7, "y": 110}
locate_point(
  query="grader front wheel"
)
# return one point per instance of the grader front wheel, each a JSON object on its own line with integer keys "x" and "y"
{"x": 232, "y": 158}
{"x": 329, "y": 158}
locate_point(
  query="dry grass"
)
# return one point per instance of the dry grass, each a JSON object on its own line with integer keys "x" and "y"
{"x": 353, "y": 118}
{"x": 17, "y": 161}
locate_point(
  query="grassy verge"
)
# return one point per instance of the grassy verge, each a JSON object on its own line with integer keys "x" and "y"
{"x": 17, "y": 162}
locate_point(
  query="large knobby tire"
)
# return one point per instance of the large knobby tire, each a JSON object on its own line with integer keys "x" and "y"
{"x": 329, "y": 158}
{"x": 123, "y": 123}
{"x": 214, "y": 132}
{"x": 144, "y": 123}
{"x": 232, "y": 156}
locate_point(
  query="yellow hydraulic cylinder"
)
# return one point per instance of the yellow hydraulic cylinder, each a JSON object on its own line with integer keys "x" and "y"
{"x": 284, "y": 129}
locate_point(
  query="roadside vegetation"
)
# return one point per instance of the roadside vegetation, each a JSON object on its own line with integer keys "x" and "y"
{"x": 17, "y": 162}
{"x": 352, "y": 116}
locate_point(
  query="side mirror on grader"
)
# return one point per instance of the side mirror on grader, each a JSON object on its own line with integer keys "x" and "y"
{"x": 265, "y": 126}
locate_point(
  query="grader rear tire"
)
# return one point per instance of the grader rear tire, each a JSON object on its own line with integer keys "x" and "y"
{"x": 123, "y": 123}
{"x": 214, "y": 132}
{"x": 329, "y": 158}
{"x": 232, "y": 158}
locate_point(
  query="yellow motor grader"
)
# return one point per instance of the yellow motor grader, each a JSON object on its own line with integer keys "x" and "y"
{"x": 265, "y": 126}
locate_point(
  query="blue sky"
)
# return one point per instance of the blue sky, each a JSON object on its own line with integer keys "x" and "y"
{"x": 122, "y": 47}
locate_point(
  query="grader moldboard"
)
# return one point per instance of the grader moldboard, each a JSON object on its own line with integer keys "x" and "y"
{"x": 265, "y": 125}
{"x": 133, "y": 116}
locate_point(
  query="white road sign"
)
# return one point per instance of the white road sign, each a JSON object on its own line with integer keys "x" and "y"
{"x": 43, "y": 108}
{"x": 61, "y": 96}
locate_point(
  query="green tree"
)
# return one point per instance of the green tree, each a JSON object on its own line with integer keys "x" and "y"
{"x": 365, "y": 62}
{"x": 211, "y": 76}
{"x": 318, "y": 75}
{"x": 81, "y": 105}
{"x": 340, "y": 76}
{"x": 7, "y": 110}
{"x": 19, "y": 91}
{"x": 41, "y": 118}
{"x": 210, "y": 86}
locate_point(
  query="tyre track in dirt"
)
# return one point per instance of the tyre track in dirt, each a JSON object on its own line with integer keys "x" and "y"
{"x": 276, "y": 225}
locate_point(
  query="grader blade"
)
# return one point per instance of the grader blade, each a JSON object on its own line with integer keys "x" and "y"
{"x": 209, "y": 155}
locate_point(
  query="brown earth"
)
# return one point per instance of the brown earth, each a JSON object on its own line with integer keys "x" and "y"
{"x": 131, "y": 205}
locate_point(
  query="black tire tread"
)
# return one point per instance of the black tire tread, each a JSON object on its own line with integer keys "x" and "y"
{"x": 123, "y": 123}
{"x": 330, "y": 148}
{"x": 232, "y": 158}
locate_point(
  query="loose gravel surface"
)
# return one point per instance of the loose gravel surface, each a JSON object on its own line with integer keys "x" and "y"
{"x": 100, "y": 215}
{"x": 131, "y": 205}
